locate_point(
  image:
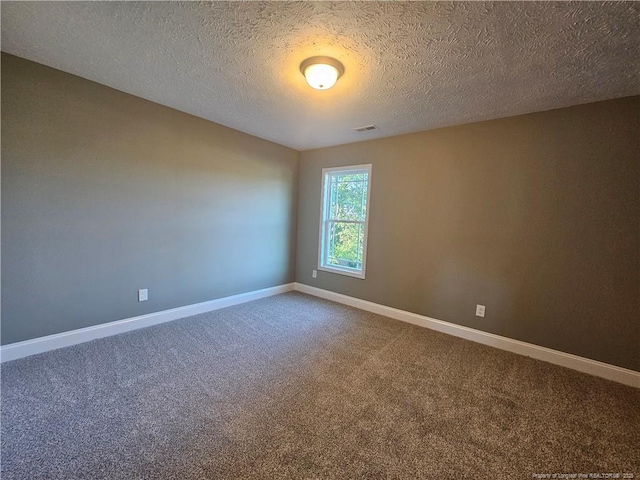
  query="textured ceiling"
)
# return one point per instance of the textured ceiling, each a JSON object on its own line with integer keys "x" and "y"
{"x": 410, "y": 66}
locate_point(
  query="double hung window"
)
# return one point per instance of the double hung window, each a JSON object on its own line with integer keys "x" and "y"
{"x": 344, "y": 220}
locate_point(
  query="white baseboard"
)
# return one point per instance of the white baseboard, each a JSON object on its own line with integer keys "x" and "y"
{"x": 17, "y": 350}
{"x": 581, "y": 364}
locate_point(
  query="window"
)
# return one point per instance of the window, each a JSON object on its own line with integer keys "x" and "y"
{"x": 344, "y": 220}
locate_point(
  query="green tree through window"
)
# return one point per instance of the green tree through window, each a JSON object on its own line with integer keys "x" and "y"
{"x": 344, "y": 222}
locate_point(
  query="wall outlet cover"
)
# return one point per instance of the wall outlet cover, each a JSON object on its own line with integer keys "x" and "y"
{"x": 480, "y": 310}
{"x": 314, "y": 273}
{"x": 143, "y": 295}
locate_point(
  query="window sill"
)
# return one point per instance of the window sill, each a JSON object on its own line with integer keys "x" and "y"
{"x": 341, "y": 271}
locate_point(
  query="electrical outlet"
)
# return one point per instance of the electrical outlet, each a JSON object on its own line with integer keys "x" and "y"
{"x": 143, "y": 295}
{"x": 480, "y": 310}
{"x": 314, "y": 273}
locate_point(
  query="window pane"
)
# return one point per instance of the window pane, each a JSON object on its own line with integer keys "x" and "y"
{"x": 345, "y": 245}
{"x": 348, "y": 196}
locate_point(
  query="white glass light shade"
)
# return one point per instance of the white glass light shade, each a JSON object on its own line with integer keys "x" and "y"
{"x": 321, "y": 72}
{"x": 321, "y": 76}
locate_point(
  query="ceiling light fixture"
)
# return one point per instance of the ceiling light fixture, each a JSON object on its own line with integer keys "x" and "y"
{"x": 321, "y": 72}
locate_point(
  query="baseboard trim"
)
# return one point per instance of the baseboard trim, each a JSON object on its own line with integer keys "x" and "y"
{"x": 14, "y": 351}
{"x": 575, "y": 362}
{"x": 34, "y": 346}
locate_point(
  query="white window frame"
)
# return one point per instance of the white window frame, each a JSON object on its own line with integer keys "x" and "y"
{"x": 324, "y": 220}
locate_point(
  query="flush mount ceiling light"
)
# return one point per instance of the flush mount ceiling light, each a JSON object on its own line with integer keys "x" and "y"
{"x": 321, "y": 72}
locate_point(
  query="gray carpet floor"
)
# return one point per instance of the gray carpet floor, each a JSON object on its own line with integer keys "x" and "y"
{"x": 293, "y": 386}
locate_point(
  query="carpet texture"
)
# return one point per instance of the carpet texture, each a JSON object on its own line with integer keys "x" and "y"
{"x": 293, "y": 386}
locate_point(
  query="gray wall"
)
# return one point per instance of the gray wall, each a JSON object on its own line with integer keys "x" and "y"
{"x": 104, "y": 193}
{"x": 536, "y": 217}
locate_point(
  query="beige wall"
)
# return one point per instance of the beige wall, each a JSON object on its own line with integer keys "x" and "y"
{"x": 536, "y": 217}
{"x": 104, "y": 193}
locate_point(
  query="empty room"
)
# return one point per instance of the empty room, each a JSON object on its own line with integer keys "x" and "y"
{"x": 320, "y": 240}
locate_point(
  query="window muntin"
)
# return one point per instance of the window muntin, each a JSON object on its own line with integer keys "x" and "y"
{"x": 344, "y": 219}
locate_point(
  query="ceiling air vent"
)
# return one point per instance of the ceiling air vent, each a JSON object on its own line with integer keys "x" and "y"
{"x": 366, "y": 128}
